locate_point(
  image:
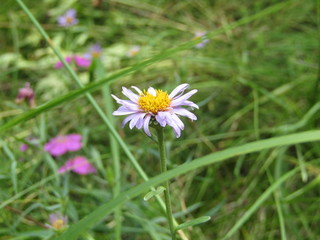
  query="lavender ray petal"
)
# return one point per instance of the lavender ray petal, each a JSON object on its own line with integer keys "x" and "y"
{"x": 146, "y": 125}
{"x": 178, "y": 89}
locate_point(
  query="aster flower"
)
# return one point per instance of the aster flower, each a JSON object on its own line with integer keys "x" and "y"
{"x": 78, "y": 165}
{"x": 133, "y": 51}
{"x": 156, "y": 106}
{"x": 68, "y": 19}
{"x": 94, "y": 51}
{"x": 61, "y": 144}
{"x": 78, "y": 60}
{"x": 26, "y": 94}
{"x": 58, "y": 221}
{"x": 201, "y": 35}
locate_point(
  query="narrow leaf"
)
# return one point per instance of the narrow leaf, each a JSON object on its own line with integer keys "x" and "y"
{"x": 193, "y": 222}
{"x": 154, "y": 193}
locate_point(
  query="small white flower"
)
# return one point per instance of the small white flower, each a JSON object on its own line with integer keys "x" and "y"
{"x": 133, "y": 51}
{"x": 201, "y": 35}
{"x": 156, "y": 105}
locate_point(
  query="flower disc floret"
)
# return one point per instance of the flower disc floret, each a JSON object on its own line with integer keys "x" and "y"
{"x": 153, "y": 104}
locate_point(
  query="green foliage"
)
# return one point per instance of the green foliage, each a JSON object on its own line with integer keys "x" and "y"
{"x": 250, "y": 162}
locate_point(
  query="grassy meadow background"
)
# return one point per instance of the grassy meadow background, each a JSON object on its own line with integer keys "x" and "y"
{"x": 257, "y": 78}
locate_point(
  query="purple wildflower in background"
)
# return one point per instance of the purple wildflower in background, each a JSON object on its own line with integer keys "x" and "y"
{"x": 68, "y": 19}
{"x": 201, "y": 35}
{"x": 94, "y": 51}
{"x": 79, "y": 165}
{"x": 78, "y": 60}
{"x": 26, "y": 94}
{"x": 133, "y": 51}
{"x": 82, "y": 62}
{"x": 156, "y": 105}
{"x": 24, "y": 147}
{"x": 65, "y": 143}
{"x": 58, "y": 221}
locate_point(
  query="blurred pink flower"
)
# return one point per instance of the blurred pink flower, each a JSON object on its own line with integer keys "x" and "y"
{"x": 78, "y": 165}
{"x": 68, "y": 19}
{"x": 24, "y": 147}
{"x": 57, "y": 221}
{"x": 26, "y": 94}
{"x": 78, "y": 60}
{"x": 61, "y": 144}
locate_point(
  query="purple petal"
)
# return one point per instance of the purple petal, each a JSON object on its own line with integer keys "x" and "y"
{"x": 185, "y": 113}
{"x": 152, "y": 91}
{"x": 127, "y": 103}
{"x": 137, "y": 89}
{"x": 127, "y": 119}
{"x": 178, "y": 101}
{"x": 134, "y": 120}
{"x": 146, "y": 125}
{"x": 161, "y": 118}
{"x": 73, "y": 145}
{"x": 24, "y": 147}
{"x": 129, "y": 94}
{"x": 82, "y": 62}
{"x": 140, "y": 121}
{"x": 59, "y": 64}
{"x": 62, "y": 21}
{"x": 190, "y": 104}
{"x": 74, "y": 137}
{"x": 123, "y": 111}
{"x": 177, "y": 121}
{"x": 71, "y": 13}
{"x": 178, "y": 89}
{"x": 82, "y": 166}
{"x": 176, "y": 129}
{"x": 57, "y": 149}
{"x": 66, "y": 167}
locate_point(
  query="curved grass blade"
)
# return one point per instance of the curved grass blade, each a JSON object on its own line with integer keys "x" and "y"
{"x": 258, "y": 203}
{"x": 99, "y": 213}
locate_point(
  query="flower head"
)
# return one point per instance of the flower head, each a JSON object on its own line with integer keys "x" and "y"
{"x": 156, "y": 105}
{"x": 61, "y": 144}
{"x": 24, "y": 147}
{"x": 94, "y": 51}
{"x": 201, "y": 35}
{"x": 78, "y": 165}
{"x": 78, "y": 60}
{"x": 57, "y": 221}
{"x": 68, "y": 19}
{"x": 26, "y": 94}
{"x": 133, "y": 51}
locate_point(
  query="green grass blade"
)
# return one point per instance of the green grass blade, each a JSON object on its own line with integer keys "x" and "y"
{"x": 13, "y": 160}
{"x": 100, "y": 72}
{"x": 102, "y": 211}
{"x": 193, "y": 222}
{"x": 258, "y": 203}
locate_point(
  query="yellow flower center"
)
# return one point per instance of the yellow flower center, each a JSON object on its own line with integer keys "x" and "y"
{"x": 58, "y": 224}
{"x": 154, "y": 104}
{"x": 95, "y": 54}
{"x": 69, "y": 19}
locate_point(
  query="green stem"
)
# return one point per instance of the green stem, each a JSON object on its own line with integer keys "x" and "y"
{"x": 163, "y": 165}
